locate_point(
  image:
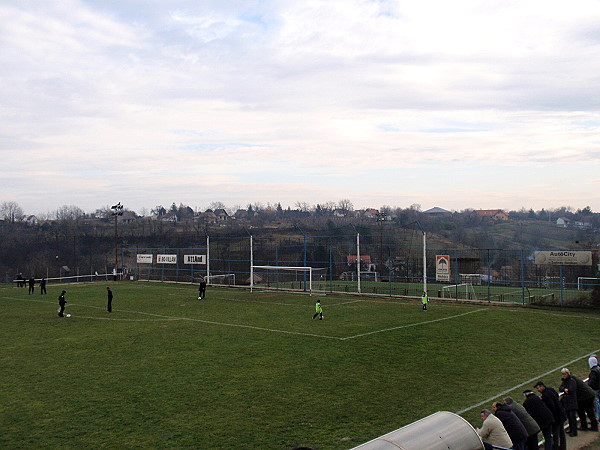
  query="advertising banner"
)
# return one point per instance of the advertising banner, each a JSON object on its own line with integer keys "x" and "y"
{"x": 563, "y": 257}
{"x": 194, "y": 259}
{"x": 442, "y": 267}
{"x": 166, "y": 259}
{"x": 144, "y": 259}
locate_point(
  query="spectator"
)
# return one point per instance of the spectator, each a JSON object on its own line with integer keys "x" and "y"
{"x": 585, "y": 404}
{"x": 569, "y": 389}
{"x": 528, "y": 422}
{"x": 541, "y": 414}
{"x": 492, "y": 431}
{"x": 512, "y": 424}
{"x": 551, "y": 400}
{"x": 43, "y": 286}
{"x": 594, "y": 382}
{"x": 31, "y": 285}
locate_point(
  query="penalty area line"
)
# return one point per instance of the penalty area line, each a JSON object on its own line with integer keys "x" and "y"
{"x": 416, "y": 324}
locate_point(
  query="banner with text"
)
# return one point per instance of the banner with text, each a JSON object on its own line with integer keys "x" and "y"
{"x": 564, "y": 258}
{"x": 194, "y": 259}
{"x": 144, "y": 259}
{"x": 166, "y": 259}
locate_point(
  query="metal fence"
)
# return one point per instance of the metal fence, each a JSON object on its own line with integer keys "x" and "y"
{"x": 390, "y": 265}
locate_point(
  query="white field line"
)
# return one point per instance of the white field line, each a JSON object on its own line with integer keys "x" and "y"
{"x": 416, "y": 324}
{"x": 272, "y": 330}
{"x": 530, "y": 381}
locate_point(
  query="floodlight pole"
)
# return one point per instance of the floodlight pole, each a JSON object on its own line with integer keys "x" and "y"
{"x": 117, "y": 211}
{"x": 251, "y": 262}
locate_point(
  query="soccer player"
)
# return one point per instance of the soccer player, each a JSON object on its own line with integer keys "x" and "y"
{"x": 424, "y": 300}
{"x": 110, "y": 298}
{"x": 62, "y": 303}
{"x": 318, "y": 310}
{"x": 43, "y": 286}
{"x": 202, "y": 289}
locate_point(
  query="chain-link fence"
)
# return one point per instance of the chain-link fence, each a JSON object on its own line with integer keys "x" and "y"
{"x": 379, "y": 264}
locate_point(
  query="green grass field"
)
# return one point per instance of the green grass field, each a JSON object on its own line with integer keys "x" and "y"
{"x": 242, "y": 370}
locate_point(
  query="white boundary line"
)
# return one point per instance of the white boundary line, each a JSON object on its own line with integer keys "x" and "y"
{"x": 531, "y": 380}
{"x": 416, "y": 324}
{"x": 272, "y": 330}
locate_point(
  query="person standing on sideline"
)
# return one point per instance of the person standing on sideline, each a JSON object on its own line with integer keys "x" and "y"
{"x": 202, "y": 288}
{"x": 318, "y": 310}
{"x": 585, "y": 404}
{"x": 424, "y": 300}
{"x": 62, "y": 303}
{"x": 492, "y": 432}
{"x": 528, "y": 422}
{"x": 31, "y": 285}
{"x": 594, "y": 382}
{"x": 569, "y": 389}
{"x": 542, "y": 415}
{"x": 110, "y": 298}
{"x": 551, "y": 400}
{"x": 43, "y": 286}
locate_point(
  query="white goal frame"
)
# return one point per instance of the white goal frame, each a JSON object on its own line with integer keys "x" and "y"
{"x": 580, "y": 279}
{"x": 308, "y": 269}
{"x": 468, "y": 290}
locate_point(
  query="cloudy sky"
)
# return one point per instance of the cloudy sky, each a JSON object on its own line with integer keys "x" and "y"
{"x": 464, "y": 104}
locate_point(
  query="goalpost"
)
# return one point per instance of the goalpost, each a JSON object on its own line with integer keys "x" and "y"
{"x": 286, "y": 277}
{"x": 583, "y": 282}
{"x": 458, "y": 291}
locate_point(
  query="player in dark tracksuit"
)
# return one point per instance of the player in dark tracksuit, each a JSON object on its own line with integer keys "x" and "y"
{"x": 110, "y": 298}
{"x": 62, "y": 303}
{"x": 202, "y": 289}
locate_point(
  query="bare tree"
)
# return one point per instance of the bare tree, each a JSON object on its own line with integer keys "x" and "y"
{"x": 69, "y": 212}
{"x": 217, "y": 205}
{"x": 346, "y": 205}
{"x": 11, "y": 212}
{"x": 302, "y": 206}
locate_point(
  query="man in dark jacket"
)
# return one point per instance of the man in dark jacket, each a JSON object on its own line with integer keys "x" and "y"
{"x": 528, "y": 422}
{"x": 552, "y": 402}
{"x": 515, "y": 429}
{"x": 541, "y": 414}
{"x": 585, "y": 404}
{"x": 569, "y": 399}
{"x": 594, "y": 382}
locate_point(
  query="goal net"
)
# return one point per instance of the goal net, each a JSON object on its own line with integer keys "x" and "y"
{"x": 302, "y": 278}
{"x": 463, "y": 291}
{"x": 225, "y": 279}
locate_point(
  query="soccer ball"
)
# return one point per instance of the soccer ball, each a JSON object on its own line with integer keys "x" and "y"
{"x": 199, "y": 298}
{"x": 68, "y": 315}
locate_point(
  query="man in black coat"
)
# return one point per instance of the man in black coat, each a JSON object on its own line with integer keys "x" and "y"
{"x": 514, "y": 427}
{"x": 569, "y": 400}
{"x": 541, "y": 414}
{"x": 551, "y": 400}
{"x": 585, "y": 404}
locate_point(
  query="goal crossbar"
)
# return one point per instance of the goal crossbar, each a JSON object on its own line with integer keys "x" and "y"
{"x": 308, "y": 269}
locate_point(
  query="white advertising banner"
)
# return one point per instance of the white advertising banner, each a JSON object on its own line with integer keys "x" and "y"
{"x": 144, "y": 259}
{"x": 194, "y": 259}
{"x": 442, "y": 268}
{"x": 166, "y": 259}
{"x": 564, "y": 257}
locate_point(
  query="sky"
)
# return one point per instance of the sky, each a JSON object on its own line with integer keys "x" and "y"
{"x": 467, "y": 104}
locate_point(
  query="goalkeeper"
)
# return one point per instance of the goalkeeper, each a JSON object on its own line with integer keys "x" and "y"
{"x": 318, "y": 310}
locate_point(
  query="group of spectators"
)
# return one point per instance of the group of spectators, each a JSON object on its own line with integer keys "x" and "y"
{"x": 517, "y": 426}
{"x": 22, "y": 282}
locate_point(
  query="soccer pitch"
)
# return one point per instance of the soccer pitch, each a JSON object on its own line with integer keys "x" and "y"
{"x": 253, "y": 370}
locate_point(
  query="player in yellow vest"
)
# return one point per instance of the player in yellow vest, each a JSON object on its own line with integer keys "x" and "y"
{"x": 424, "y": 300}
{"x": 318, "y": 310}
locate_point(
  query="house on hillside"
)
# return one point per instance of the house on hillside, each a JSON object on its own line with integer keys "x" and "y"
{"x": 492, "y": 215}
{"x": 371, "y": 213}
{"x": 562, "y": 222}
{"x": 208, "y": 216}
{"x": 221, "y": 215}
{"x": 437, "y": 212}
